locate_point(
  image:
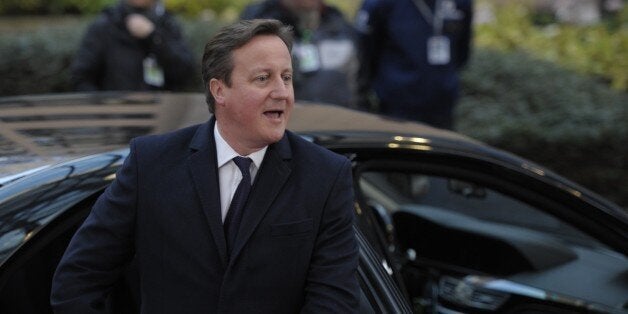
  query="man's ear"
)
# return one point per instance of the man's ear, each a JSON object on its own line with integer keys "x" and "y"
{"x": 217, "y": 88}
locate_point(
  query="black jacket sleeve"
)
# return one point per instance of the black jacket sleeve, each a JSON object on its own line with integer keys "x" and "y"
{"x": 371, "y": 25}
{"x": 87, "y": 68}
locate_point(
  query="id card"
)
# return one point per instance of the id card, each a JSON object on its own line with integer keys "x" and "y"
{"x": 308, "y": 57}
{"x": 438, "y": 50}
{"x": 336, "y": 54}
{"x": 153, "y": 74}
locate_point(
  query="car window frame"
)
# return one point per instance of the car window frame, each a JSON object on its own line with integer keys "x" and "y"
{"x": 517, "y": 183}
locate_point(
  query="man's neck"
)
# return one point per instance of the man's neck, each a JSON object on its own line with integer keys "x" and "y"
{"x": 242, "y": 150}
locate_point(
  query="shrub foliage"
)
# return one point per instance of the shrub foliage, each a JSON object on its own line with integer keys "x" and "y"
{"x": 573, "y": 124}
{"x": 600, "y": 49}
{"x": 37, "y": 63}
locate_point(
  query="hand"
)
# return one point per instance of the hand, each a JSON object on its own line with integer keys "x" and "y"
{"x": 139, "y": 26}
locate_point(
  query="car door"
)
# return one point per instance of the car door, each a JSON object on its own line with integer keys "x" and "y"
{"x": 458, "y": 224}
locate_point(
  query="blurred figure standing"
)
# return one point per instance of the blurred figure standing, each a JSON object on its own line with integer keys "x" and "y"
{"x": 410, "y": 53}
{"x": 133, "y": 45}
{"x": 324, "y": 52}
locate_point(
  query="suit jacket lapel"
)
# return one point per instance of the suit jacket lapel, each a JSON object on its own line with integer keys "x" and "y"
{"x": 202, "y": 165}
{"x": 270, "y": 179}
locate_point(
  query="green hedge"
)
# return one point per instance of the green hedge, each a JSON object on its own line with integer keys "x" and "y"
{"x": 187, "y": 7}
{"x": 574, "y": 124}
{"x": 21, "y": 7}
{"x": 227, "y": 9}
{"x": 600, "y": 49}
{"x": 37, "y": 63}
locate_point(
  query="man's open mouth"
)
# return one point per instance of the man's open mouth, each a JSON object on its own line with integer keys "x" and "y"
{"x": 274, "y": 114}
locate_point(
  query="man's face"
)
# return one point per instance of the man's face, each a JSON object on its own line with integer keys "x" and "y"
{"x": 254, "y": 111}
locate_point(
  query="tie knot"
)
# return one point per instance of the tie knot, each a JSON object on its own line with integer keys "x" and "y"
{"x": 244, "y": 163}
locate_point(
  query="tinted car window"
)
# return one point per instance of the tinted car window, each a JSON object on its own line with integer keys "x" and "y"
{"x": 394, "y": 190}
{"x": 452, "y": 221}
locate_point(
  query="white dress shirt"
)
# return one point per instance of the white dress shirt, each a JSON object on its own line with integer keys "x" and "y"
{"x": 229, "y": 175}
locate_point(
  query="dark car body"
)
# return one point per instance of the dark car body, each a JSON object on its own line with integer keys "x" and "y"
{"x": 445, "y": 224}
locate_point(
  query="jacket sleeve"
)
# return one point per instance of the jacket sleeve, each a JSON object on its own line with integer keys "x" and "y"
{"x": 371, "y": 26}
{"x": 466, "y": 36}
{"x": 332, "y": 285}
{"x": 172, "y": 53}
{"x": 251, "y": 11}
{"x": 88, "y": 65}
{"x": 100, "y": 249}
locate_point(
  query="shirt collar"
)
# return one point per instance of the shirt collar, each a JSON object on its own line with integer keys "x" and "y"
{"x": 225, "y": 153}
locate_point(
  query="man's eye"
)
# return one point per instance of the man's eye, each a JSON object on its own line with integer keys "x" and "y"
{"x": 262, "y": 78}
{"x": 287, "y": 78}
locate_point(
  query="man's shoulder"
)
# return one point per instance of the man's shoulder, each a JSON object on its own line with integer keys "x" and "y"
{"x": 465, "y": 4}
{"x": 261, "y": 9}
{"x": 101, "y": 23}
{"x": 166, "y": 141}
{"x": 251, "y": 11}
{"x": 169, "y": 20}
{"x": 375, "y": 12}
{"x": 336, "y": 21}
{"x": 381, "y": 4}
{"x": 109, "y": 18}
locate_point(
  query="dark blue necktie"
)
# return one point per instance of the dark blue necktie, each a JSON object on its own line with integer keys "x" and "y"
{"x": 234, "y": 215}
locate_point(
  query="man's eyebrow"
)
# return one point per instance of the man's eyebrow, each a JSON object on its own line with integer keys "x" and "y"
{"x": 268, "y": 69}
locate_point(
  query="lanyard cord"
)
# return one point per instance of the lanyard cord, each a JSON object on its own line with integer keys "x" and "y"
{"x": 433, "y": 19}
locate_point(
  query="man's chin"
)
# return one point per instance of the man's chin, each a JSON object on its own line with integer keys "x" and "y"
{"x": 275, "y": 136}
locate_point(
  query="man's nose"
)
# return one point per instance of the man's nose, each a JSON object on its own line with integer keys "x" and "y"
{"x": 281, "y": 89}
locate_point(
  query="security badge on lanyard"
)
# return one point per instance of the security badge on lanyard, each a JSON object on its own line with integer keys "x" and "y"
{"x": 153, "y": 73}
{"x": 438, "y": 45}
{"x": 307, "y": 54}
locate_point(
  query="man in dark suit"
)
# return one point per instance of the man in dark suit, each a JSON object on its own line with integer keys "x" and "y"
{"x": 290, "y": 248}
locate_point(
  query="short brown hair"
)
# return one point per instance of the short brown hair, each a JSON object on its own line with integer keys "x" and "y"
{"x": 217, "y": 57}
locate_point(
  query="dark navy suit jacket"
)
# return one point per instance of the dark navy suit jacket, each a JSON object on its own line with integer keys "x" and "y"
{"x": 295, "y": 250}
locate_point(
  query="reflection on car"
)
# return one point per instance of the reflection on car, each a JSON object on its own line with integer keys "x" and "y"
{"x": 445, "y": 224}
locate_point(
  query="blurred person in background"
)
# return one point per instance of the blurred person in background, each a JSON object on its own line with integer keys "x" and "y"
{"x": 133, "y": 45}
{"x": 410, "y": 54}
{"x": 324, "y": 52}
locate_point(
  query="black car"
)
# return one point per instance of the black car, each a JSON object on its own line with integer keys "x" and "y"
{"x": 445, "y": 224}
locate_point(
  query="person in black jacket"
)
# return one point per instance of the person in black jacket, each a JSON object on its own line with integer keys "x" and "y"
{"x": 133, "y": 45}
{"x": 325, "y": 48}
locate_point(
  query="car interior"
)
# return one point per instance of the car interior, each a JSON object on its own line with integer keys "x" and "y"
{"x": 451, "y": 224}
